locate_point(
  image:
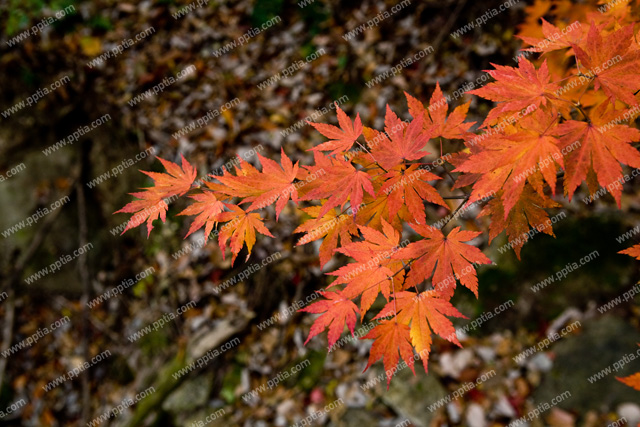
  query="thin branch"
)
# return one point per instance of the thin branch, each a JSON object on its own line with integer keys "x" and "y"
{"x": 374, "y": 159}
{"x": 579, "y": 108}
{"x": 453, "y": 215}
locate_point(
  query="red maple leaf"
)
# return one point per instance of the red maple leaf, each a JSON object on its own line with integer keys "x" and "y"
{"x": 152, "y": 205}
{"x": 337, "y": 310}
{"x": 342, "y": 138}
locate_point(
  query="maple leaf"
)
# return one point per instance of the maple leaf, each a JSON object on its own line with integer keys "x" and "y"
{"x": 528, "y": 213}
{"x": 207, "y": 207}
{"x": 517, "y": 89}
{"x": 633, "y": 251}
{"x": 261, "y": 189}
{"x": 342, "y": 138}
{"x": 425, "y": 312}
{"x": 554, "y": 38}
{"x": 337, "y": 310}
{"x": 631, "y": 380}
{"x": 612, "y": 61}
{"x": 177, "y": 181}
{"x": 533, "y": 13}
{"x": 436, "y": 121}
{"x": 510, "y": 161}
{"x": 152, "y": 205}
{"x": 409, "y": 188}
{"x": 331, "y": 226}
{"x": 391, "y": 340}
{"x": 344, "y": 183}
{"x": 374, "y": 209}
{"x": 451, "y": 258}
{"x": 241, "y": 228}
{"x": 232, "y": 186}
{"x": 374, "y": 271}
{"x": 603, "y": 145}
{"x": 401, "y": 142}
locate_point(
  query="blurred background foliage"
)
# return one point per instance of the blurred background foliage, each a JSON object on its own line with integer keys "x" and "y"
{"x": 66, "y": 46}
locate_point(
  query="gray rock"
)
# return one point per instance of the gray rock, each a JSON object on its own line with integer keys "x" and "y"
{"x": 209, "y": 417}
{"x": 352, "y": 395}
{"x": 411, "y": 396}
{"x": 190, "y": 395}
{"x": 630, "y": 412}
{"x": 604, "y": 341}
{"x": 356, "y": 417}
{"x": 540, "y": 362}
{"x": 475, "y": 416}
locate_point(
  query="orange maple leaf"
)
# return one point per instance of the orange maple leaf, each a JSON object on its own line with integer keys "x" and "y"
{"x": 410, "y": 188}
{"x": 373, "y": 272}
{"x": 612, "y": 61}
{"x": 436, "y": 121}
{"x": 241, "y": 228}
{"x": 177, "y": 181}
{"x": 510, "y": 161}
{"x": 518, "y": 89}
{"x": 391, "y": 340}
{"x": 603, "y": 146}
{"x": 528, "y": 213}
{"x": 533, "y": 13}
{"x": 631, "y": 380}
{"x": 342, "y": 138}
{"x": 344, "y": 183}
{"x": 261, "y": 189}
{"x": 425, "y": 312}
{"x": 337, "y": 310}
{"x": 633, "y": 251}
{"x": 331, "y": 226}
{"x": 152, "y": 204}
{"x": 451, "y": 258}
{"x": 554, "y": 38}
{"x": 207, "y": 207}
{"x": 399, "y": 141}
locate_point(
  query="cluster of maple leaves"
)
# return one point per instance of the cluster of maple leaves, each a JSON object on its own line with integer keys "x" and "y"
{"x": 556, "y": 118}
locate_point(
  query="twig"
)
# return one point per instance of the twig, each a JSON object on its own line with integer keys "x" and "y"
{"x": 453, "y": 215}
